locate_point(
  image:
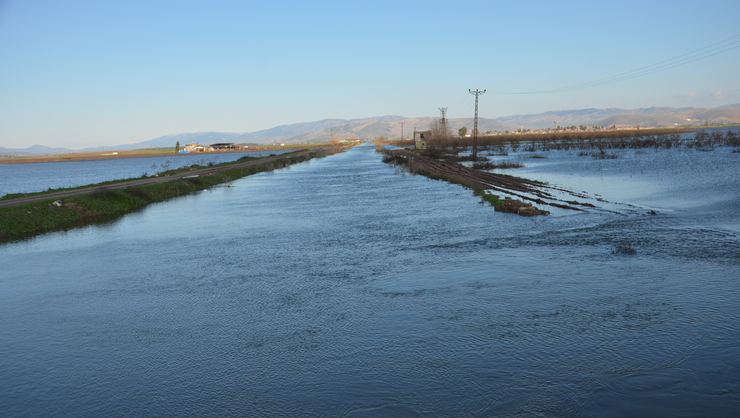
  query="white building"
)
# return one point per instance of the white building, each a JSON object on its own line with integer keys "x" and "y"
{"x": 421, "y": 139}
{"x": 196, "y": 148}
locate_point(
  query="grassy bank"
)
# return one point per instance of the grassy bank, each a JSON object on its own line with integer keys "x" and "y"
{"x": 615, "y": 139}
{"x": 28, "y": 220}
{"x": 180, "y": 170}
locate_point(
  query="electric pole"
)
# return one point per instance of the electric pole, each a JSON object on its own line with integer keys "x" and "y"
{"x": 401, "y": 130}
{"x": 443, "y": 122}
{"x": 476, "y": 93}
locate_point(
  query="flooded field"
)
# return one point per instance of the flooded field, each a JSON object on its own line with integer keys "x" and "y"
{"x": 347, "y": 287}
{"x": 37, "y": 177}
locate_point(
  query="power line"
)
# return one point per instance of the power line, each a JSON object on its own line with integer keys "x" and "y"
{"x": 682, "y": 59}
{"x": 717, "y": 47}
{"x": 704, "y": 52}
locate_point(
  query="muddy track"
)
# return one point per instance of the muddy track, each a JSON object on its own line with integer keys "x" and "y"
{"x": 522, "y": 188}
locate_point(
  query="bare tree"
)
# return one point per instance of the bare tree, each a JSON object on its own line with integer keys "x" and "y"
{"x": 440, "y": 135}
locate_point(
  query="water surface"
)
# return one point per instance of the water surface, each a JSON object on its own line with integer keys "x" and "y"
{"x": 344, "y": 287}
{"x": 38, "y": 177}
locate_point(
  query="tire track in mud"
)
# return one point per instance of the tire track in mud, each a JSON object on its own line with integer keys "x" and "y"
{"x": 525, "y": 189}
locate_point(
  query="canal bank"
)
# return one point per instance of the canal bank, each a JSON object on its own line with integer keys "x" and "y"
{"x": 26, "y": 215}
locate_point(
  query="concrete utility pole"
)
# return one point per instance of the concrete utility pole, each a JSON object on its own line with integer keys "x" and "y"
{"x": 401, "y": 130}
{"x": 476, "y": 93}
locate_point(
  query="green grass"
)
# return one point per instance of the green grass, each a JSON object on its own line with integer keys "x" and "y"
{"x": 494, "y": 200}
{"x": 164, "y": 173}
{"x": 10, "y": 196}
{"x": 25, "y": 221}
{"x": 518, "y": 207}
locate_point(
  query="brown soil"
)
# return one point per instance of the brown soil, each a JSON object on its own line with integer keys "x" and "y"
{"x": 529, "y": 191}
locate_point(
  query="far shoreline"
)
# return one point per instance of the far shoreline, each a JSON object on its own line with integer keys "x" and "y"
{"x": 139, "y": 153}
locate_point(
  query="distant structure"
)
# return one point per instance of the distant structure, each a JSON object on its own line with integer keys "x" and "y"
{"x": 476, "y": 93}
{"x": 421, "y": 139}
{"x": 195, "y": 147}
{"x": 221, "y": 146}
{"x": 443, "y": 121}
{"x": 224, "y": 146}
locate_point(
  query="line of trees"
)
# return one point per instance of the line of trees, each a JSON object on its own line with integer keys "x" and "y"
{"x": 442, "y": 137}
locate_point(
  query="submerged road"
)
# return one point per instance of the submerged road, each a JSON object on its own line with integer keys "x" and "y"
{"x": 145, "y": 181}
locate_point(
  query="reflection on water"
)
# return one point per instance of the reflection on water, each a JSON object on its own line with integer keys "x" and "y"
{"x": 343, "y": 286}
{"x": 679, "y": 178}
{"x": 37, "y": 177}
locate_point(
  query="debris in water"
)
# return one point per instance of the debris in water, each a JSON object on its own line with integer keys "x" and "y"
{"x": 625, "y": 249}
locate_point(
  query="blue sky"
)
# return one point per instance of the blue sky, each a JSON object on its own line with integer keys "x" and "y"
{"x": 84, "y": 73}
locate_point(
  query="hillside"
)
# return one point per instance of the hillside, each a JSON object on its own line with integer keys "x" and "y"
{"x": 391, "y": 126}
{"x": 33, "y": 150}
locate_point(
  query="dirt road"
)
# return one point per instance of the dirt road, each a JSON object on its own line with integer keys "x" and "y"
{"x": 145, "y": 181}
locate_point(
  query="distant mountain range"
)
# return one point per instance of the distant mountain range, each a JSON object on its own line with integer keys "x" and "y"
{"x": 390, "y": 126}
{"x": 33, "y": 150}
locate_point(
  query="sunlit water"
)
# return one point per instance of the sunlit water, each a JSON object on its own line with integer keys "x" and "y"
{"x": 37, "y": 177}
{"x": 344, "y": 287}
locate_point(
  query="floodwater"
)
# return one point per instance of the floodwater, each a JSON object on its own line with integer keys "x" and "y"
{"x": 344, "y": 287}
{"x": 38, "y": 177}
